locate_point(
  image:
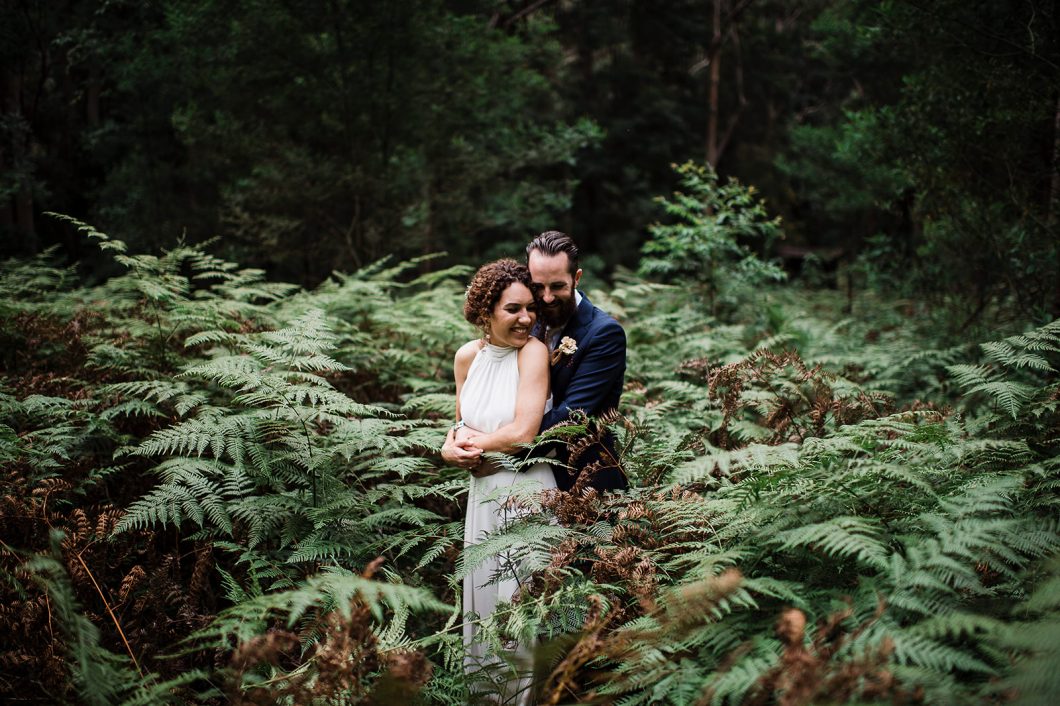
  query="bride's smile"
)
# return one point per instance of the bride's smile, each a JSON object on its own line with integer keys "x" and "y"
{"x": 512, "y": 317}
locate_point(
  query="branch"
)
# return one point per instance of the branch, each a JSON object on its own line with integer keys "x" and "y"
{"x": 715, "y": 45}
{"x": 979, "y": 30}
{"x": 496, "y": 21}
{"x": 739, "y": 92}
{"x": 121, "y": 633}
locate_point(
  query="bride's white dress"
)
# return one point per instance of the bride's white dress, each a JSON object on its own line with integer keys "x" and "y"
{"x": 487, "y": 402}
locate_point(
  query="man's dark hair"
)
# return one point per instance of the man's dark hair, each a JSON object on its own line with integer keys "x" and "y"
{"x": 552, "y": 242}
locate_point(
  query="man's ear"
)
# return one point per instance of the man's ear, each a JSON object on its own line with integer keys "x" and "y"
{"x": 577, "y": 277}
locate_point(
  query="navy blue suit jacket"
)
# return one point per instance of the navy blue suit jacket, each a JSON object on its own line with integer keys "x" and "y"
{"x": 590, "y": 380}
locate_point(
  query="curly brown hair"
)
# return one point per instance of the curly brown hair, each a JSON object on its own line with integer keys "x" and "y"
{"x": 487, "y": 286}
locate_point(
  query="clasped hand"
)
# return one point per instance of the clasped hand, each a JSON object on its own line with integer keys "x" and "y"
{"x": 463, "y": 453}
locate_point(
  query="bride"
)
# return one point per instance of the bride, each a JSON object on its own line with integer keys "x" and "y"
{"x": 502, "y": 384}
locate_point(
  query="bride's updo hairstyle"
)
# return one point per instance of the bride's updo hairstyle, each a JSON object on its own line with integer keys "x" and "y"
{"x": 487, "y": 286}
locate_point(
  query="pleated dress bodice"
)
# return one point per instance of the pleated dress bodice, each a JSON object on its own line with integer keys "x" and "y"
{"x": 487, "y": 399}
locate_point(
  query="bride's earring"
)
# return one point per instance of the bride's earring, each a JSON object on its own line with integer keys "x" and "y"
{"x": 486, "y": 332}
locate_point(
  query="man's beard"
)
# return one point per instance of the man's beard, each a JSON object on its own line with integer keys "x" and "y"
{"x": 558, "y": 313}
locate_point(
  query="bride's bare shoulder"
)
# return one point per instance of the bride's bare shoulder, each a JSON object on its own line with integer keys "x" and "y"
{"x": 535, "y": 349}
{"x": 467, "y": 352}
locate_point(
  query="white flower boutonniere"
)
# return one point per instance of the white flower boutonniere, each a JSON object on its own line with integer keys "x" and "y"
{"x": 567, "y": 347}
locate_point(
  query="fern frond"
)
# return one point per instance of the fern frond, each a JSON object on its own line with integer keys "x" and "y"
{"x": 106, "y": 242}
{"x": 842, "y": 536}
{"x": 334, "y": 588}
{"x": 733, "y": 684}
{"x": 923, "y": 651}
{"x": 514, "y": 537}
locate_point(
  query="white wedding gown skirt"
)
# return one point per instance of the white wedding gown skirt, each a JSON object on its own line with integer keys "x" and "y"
{"x": 487, "y": 402}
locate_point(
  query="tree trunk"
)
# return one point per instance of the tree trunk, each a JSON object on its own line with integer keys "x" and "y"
{"x": 430, "y": 228}
{"x": 585, "y": 58}
{"x": 93, "y": 90}
{"x": 719, "y": 150}
{"x": 24, "y": 219}
{"x": 7, "y": 212}
{"x": 1053, "y": 219}
{"x": 715, "y": 80}
{"x": 21, "y": 205}
{"x": 7, "y": 220}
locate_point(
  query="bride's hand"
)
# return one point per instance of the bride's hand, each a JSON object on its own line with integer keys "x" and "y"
{"x": 464, "y": 441}
{"x": 484, "y": 467}
{"x": 462, "y": 454}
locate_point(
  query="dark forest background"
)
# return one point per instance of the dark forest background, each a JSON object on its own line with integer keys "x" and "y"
{"x": 912, "y": 145}
{"x": 226, "y": 336}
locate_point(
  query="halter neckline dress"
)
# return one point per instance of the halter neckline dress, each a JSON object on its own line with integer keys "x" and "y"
{"x": 487, "y": 402}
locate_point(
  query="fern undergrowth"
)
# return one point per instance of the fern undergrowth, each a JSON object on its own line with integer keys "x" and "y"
{"x": 224, "y": 489}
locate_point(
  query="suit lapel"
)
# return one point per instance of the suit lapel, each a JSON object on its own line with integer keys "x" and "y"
{"x": 576, "y": 329}
{"x": 579, "y": 323}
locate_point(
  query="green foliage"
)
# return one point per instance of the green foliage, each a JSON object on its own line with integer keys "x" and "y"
{"x": 322, "y": 137}
{"x": 101, "y": 677}
{"x": 715, "y": 241}
{"x": 225, "y": 390}
{"x": 926, "y": 144}
{"x": 824, "y": 508}
{"x": 1034, "y": 676}
{"x": 336, "y": 590}
{"x": 1015, "y": 378}
{"x": 909, "y": 147}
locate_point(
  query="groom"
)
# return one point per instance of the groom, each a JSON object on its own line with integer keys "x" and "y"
{"x": 588, "y": 351}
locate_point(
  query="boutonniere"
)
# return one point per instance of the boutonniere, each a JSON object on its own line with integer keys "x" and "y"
{"x": 567, "y": 347}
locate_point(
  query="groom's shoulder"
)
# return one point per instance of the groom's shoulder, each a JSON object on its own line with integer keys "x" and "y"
{"x": 603, "y": 321}
{"x": 604, "y": 332}
{"x": 597, "y": 316}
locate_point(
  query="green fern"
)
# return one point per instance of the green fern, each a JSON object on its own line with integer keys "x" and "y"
{"x": 336, "y": 589}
